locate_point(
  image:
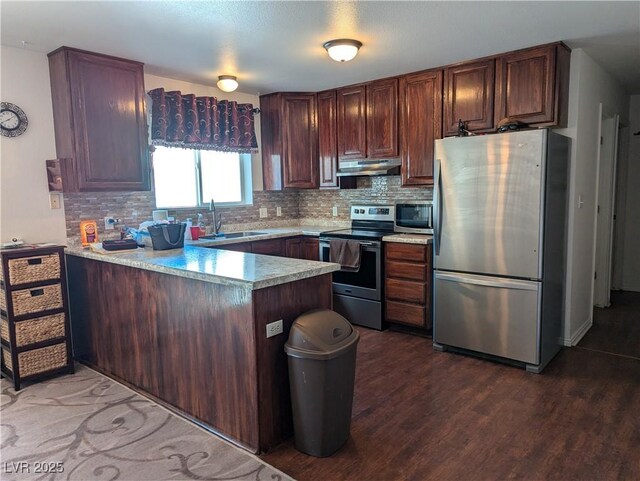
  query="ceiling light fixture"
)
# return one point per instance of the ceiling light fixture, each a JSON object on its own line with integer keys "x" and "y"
{"x": 227, "y": 83}
{"x": 342, "y": 49}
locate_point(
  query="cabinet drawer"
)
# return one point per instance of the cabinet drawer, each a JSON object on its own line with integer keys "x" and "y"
{"x": 405, "y": 270}
{"x": 35, "y": 330}
{"x": 39, "y": 360}
{"x": 34, "y": 269}
{"x": 406, "y": 252}
{"x": 38, "y": 299}
{"x": 407, "y": 291}
{"x": 405, "y": 313}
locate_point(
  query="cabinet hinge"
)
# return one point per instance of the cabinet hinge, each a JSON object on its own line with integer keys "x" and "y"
{"x": 601, "y": 140}
{"x": 598, "y": 211}
{"x": 595, "y": 275}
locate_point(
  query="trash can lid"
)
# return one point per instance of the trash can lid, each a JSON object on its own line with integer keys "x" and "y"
{"x": 320, "y": 334}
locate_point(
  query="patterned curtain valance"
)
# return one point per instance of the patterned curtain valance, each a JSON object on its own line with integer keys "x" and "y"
{"x": 201, "y": 123}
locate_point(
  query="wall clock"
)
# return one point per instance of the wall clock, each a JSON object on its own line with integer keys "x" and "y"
{"x": 13, "y": 120}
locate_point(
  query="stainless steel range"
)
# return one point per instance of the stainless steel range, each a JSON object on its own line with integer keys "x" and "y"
{"x": 358, "y": 295}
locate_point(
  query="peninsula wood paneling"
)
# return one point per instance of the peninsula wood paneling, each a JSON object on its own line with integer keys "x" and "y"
{"x": 187, "y": 342}
{"x": 286, "y": 302}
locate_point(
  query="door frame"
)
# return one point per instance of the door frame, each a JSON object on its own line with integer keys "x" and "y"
{"x": 607, "y": 160}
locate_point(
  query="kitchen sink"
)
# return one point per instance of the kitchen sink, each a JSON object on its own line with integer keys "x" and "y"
{"x": 233, "y": 235}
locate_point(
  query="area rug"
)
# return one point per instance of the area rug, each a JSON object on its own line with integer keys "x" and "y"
{"x": 87, "y": 427}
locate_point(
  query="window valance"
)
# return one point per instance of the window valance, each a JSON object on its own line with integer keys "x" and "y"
{"x": 202, "y": 123}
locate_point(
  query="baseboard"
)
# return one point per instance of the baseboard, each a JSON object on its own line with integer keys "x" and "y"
{"x": 578, "y": 335}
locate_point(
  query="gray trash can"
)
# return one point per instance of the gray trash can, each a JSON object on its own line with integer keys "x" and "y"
{"x": 322, "y": 367}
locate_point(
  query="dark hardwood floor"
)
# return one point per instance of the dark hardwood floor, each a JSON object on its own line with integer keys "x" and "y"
{"x": 425, "y": 415}
{"x": 616, "y": 329}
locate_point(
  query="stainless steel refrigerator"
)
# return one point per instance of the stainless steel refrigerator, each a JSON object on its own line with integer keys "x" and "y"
{"x": 499, "y": 245}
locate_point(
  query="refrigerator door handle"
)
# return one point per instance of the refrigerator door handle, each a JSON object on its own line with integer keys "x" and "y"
{"x": 437, "y": 212}
{"x": 488, "y": 282}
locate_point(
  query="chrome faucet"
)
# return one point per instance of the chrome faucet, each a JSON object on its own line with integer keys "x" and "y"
{"x": 217, "y": 222}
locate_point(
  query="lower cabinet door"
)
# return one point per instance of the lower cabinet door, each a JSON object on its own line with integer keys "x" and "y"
{"x": 490, "y": 315}
{"x": 404, "y": 313}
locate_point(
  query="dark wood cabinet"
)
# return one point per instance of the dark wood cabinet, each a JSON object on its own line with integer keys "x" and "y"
{"x": 99, "y": 120}
{"x": 368, "y": 120}
{"x": 238, "y": 247}
{"x": 532, "y": 85}
{"x": 421, "y": 125}
{"x": 408, "y": 284}
{"x": 328, "y": 143}
{"x": 352, "y": 122}
{"x": 289, "y": 141}
{"x": 311, "y": 248}
{"x": 303, "y": 248}
{"x": 382, "y": 119}
{"x": 328, "y": 138}
{"x": 270, "y": 247}
{"x": 469, "y": 96}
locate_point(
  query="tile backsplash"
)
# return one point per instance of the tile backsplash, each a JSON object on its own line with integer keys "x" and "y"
{"x": 302, "y": 206}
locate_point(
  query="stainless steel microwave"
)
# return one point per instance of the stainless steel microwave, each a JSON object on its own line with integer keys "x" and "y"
{"x": 414, "y": 217}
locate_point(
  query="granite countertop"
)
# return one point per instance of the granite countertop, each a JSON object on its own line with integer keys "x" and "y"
{"x": 249, "y": 271}
{"x": 409, "y": 238}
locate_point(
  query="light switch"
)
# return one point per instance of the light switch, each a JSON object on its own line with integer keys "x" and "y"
{"x": 263, "y": 212}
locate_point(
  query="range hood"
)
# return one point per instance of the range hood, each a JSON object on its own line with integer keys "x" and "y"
{"x": 368, "y": 167}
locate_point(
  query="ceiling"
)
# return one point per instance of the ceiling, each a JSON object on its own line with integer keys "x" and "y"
{"x": 273, "y": 46}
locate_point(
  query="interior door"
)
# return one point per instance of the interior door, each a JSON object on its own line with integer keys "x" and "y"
{"x": 488, "y": 204}
{"x": 490, "y": 315}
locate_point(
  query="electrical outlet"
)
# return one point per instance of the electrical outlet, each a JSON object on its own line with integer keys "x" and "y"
{"x": 110, "y": 223}
{"x": 274, "y": 328}
{"x": 263, "y": 212}
{"x": 334, "y": 211}
{"x": 54, "y": 201}
{"x": 278, "y": 211}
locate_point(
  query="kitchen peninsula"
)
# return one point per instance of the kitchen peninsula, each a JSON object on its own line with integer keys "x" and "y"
{"x": 188, "y": 327}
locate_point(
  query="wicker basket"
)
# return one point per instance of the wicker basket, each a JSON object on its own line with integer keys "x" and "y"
{"x": 33, "y": 269}
{"x": 38, "y": 360}
{"x": 35, "y": 330}
{"x": 27, "y": 301}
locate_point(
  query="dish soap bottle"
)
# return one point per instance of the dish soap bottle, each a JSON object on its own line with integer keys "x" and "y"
{"x": 187, "y": 231}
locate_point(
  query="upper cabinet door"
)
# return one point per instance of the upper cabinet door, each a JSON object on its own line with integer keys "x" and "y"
{"x": 469, "y": 92}
{"x": 300, "y": 141}
{"x": 100, "y": 120}
{"x": 382, "y": 119}
{"x": 528, "y": 85}
{"x": 352, "y": 122}
{"x": 327, "y": 138}
{"x": 421, "y": 114}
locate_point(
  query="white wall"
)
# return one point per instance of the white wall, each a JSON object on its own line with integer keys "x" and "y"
{"x": 589, "y": 86}
{"x": 152, "y": 82}
{"x": 24, "y": 192}
{"x": 631, "y": 218}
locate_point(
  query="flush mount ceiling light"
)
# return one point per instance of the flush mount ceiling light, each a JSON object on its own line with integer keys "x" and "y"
{"x": 227, "y": 83}
{"x": 342, "y": 49}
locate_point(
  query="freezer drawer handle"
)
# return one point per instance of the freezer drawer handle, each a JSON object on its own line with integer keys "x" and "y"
{"x": 501, "y": 283}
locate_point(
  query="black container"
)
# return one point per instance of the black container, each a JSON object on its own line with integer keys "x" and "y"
{"x": 167, "y": 236}
{"x": 322, "y": 367}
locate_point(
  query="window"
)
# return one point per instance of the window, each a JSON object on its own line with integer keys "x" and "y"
{"x": 191, "y": 178}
